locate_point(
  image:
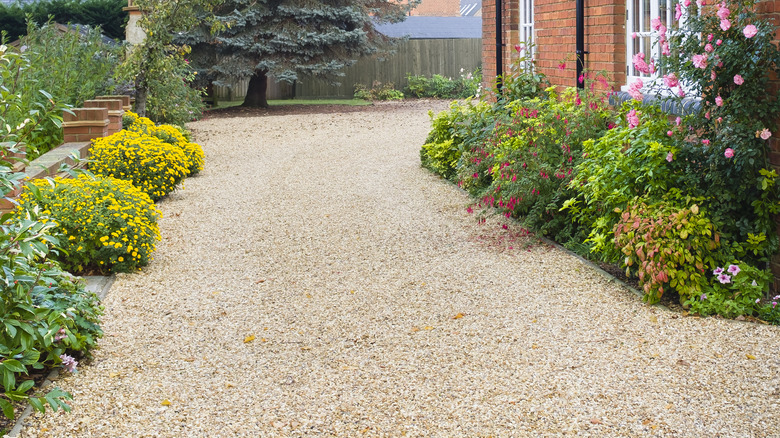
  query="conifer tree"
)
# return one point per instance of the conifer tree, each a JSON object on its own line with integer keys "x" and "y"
{"x": 288, "y": 38}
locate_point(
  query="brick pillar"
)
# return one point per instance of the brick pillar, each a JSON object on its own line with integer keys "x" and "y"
{"x": 123, "y": 97}
{"x": 85, "y": 124}
{"x": 115, "y": 111}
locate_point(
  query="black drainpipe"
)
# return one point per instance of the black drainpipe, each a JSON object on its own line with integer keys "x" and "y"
{"x": 580, "y": 49}
{"x": 499, "y": 46}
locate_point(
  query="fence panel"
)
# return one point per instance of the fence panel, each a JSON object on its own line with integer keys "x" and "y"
{"x": 417, "y": 57}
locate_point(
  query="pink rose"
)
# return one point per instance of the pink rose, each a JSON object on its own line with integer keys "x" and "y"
{"x": 750, "y": 31}
{"x": 632, "y": 118}
{"x": 681, "y": 92}
{"x": 677, "y": 12}
{"x": 640, "y": 64}
{"x": 669, "y": 156}
{"x": 671, "y": 80}
{"x": 729, "y": 153}
{"x": 765, "y": 134}
{"x": 719, "y": 101}
{"x": 713, "y": 75}
{"x": 723, "y": 11}
{"x": 738, "y": 80}
{"x": 699, "y": 61}
{"x": 705, "y": 142}
{"x": 707, "y": 115}
{"x": 710, "y": 37}
{"x": 686, "y": 3}
{"x": 655, "y": 23}
{"x": 719, "y": 42}
{"x": 725, "y": 24}
{"x": 665, "y": 48}
{"x": 708, "y": 48}
{"x": 635, "y": 89}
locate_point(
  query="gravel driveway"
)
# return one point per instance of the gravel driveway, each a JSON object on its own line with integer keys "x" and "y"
{"x": 315, "y": 281}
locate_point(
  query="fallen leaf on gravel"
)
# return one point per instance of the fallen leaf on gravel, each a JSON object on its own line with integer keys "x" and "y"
{"x": 113, "y": 374}
{"x": 646, "y": 421}
{"x": 308, "y": 295}
{"x": 653, "y": 319}
{"x": 260, "y": 281}
{"x": 428, "y": 327}
{"x": 415, "y": 329}
{"x": 682, "y": 362}
{"x": 595, "y": 421}
{"x": 166, "y": 402}
{"x": 348, "y": 368}
{"x": 249, "y": 338}
{"x": 750, "y": 356}
{"x": 277, "y": 424}
{"x": 229, "y": 385}
{"x": 263, "y": 340}
{"x": 669, "y": 406}
{"x": 458, "y": 316}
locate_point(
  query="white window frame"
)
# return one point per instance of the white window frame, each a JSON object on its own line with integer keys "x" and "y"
{"x": 526, "y": 27}
{"x": 646, "y": 41}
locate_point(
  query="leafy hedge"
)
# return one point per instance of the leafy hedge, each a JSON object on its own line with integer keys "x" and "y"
{"x": 107, "y": 14}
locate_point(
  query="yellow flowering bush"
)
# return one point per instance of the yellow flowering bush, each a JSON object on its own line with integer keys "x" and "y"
{"x": 170, "y": 134}
{"x": 152, "y": 165}
{"x": 105, "y": 224}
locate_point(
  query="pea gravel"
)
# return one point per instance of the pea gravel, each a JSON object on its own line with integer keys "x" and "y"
{"x": 315, "y": 281}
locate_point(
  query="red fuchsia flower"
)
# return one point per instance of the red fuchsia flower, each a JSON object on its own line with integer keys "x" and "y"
{"x": 632, "y": 118}
{"x": 562, "y": 66}
{"x": 725, "y": 24}
{"x": 733, "y": 270}
{"x": 671, "y": 80}
{"x": 469, "y": 210}
{"x": 581, "y": 79}
{"x": 699, "y": 61}
{"x": 708, "y": 48}
{"x": 718, "y": 101}
{"x": 518, "y": 48}
{"x": 670, "y": 156}
{"x": 728, "y": 153}
{"x": 723, "y": 279}
{"x": 738, "y": 80}
{"x": 750, "y": 31}
{"x": 578, "y": 101}
{"x": 705, "y": 142}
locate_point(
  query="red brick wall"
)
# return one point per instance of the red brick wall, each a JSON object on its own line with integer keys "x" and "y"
{"x": 555, "y": 29}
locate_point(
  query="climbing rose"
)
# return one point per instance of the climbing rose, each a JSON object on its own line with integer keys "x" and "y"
{"x": 708, "y": 48}
{"x": 640, "y": 64}
{"x": 655, "y": 23}
{"x": 729, "y": 153}
{"x": 699, "y": 61}
{"x": 765, "y": 134}
{"x": 750, "y": 31}
{"x": 719, "y": 42}
{"x": 725, "y": 24}
{"x": 635, "y": 89}
{"x": 719, "y": 101}
{"x": 738, "y": 80}
{"x": 686, "y": 3}
{"x": 677, "y": 12}
{"x": 723, "y": 11}
{"x": 669, "y": 156}
{"x": 632, "y": 118}
{"x": 681, "y": 92}
{"x": 671, "y": 80}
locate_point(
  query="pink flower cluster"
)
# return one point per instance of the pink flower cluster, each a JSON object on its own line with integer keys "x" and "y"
{"x": 69, "y": 363}
{"x": 699, "y": 61}
{"x": 641, "y": 65}
{"x": 723, "y": 13}
{"x": 635, "y": 89}
{"x": 632, "y": 118}
{"x": 728, "y": 153}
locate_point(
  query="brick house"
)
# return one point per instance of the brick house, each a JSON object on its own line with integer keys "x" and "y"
{"x": 607, "y": 42}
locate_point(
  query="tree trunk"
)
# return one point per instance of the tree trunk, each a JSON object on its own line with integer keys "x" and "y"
{"x": 140, "y": 94}
{"x": 256, "y": 92}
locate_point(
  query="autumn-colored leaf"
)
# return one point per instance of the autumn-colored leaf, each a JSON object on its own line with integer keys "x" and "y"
{"x": 750, "y": 356}
{"x": 113, "y": 375}
{"x": 249, "y": 339}
{"x": 229, "y": 385}
{"x": 595, "y": 421}
{"x": 166, "y": 402}
{"x": 428, "y": 327}
{"x": 458, "y": 316}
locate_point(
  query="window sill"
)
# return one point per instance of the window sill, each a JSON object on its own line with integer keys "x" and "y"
{"x": 671, "y": 106}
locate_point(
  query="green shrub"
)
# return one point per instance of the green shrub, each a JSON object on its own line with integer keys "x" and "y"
{"x": 172, "y": 98}
{"x": 149, "y": 163}
{"x": 48, "y": 317}
{"x": 74, "y": 66}
{"x": 441, "y": 87}
{"x": 733, "y": 290}
{"x": 670, "y": 243}
{"x": 107, "y": 224}
{"x": 170, "y": 134}
{"x": 107, "y": 14}
{"x": 378, "y": 91}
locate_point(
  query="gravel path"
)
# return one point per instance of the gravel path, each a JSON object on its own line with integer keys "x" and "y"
{"x": 315, "y": 281}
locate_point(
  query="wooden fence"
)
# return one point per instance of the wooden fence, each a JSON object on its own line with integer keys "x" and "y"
{"x": 416, "y": 57}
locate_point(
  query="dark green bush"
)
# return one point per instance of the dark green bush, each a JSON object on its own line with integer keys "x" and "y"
{"x": 107, "y": 14}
